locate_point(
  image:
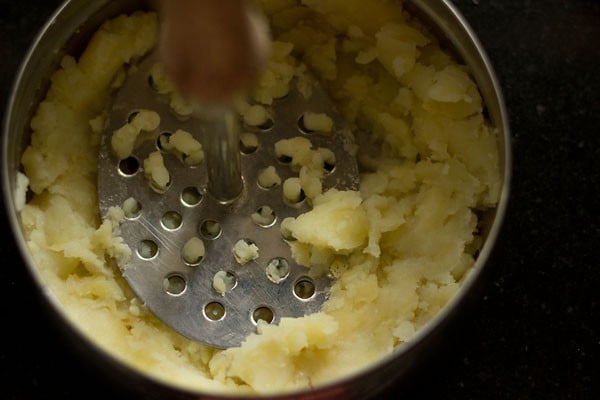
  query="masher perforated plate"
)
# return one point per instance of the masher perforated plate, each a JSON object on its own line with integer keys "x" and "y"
{"x": 179, "y": 292}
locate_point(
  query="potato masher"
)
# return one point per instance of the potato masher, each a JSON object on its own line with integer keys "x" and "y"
{"x": 209, "y": 257}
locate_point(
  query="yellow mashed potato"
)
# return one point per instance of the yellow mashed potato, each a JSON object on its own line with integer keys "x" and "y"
{"x": 399, "y": 248}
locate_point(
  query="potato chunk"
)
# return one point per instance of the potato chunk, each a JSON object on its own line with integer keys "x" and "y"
{"x": 337, "y": 221}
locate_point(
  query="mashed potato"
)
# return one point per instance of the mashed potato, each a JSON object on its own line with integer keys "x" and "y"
{"x": 398, "y": 248}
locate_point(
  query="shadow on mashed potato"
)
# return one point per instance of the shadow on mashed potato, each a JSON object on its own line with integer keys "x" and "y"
{"x": 399, "y": 248}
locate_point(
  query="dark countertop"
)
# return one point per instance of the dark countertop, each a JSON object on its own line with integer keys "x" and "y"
{"x": 531, "y": 332}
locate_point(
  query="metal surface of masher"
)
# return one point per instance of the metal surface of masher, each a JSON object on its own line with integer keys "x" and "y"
{"x": 217, "y": 205}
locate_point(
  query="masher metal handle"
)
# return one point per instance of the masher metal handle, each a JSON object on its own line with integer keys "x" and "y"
{"x": 221, "y": 147}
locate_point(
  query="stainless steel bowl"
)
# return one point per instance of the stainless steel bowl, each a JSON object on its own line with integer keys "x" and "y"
{"x": 67, "y": 32}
